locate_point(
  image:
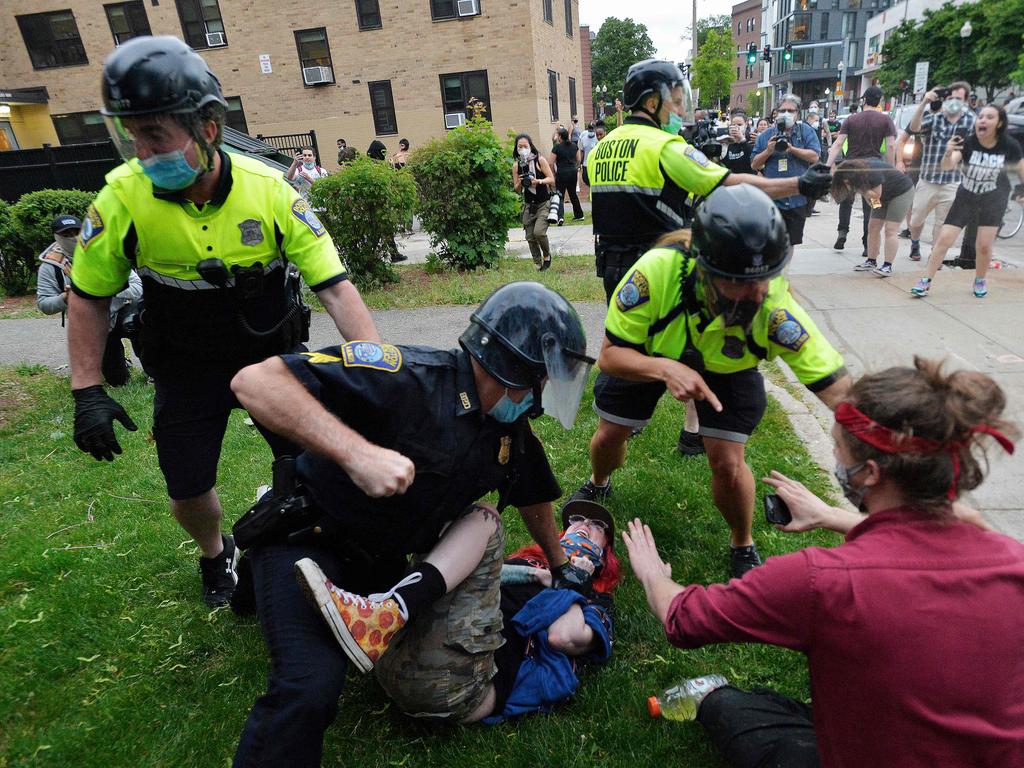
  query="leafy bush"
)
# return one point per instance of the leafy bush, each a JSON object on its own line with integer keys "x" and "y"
{"x": 30, "y": 230}
{"x": 465, "y": 194}
{"x": 363, "y": 206}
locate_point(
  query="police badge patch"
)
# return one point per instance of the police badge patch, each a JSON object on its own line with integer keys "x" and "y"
{"x": 92, "y": 227}
{"x": 366, "y": 354}
{"x": 252, "y": 232}
{"x": 697, "y": 156}
{"x": 786, "y": 331}
{"x": 634, "y": 292}
{"x": 306, "y": 215}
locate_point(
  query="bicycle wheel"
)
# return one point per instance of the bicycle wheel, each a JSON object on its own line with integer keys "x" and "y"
{"x": 1013, "y": 220}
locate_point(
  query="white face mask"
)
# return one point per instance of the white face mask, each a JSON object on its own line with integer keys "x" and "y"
{"x": 524, "y": 153}
{"x": 788, "y": 118}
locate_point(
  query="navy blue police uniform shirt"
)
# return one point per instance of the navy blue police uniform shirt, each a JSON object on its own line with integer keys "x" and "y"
{"x": 421, "y": 402}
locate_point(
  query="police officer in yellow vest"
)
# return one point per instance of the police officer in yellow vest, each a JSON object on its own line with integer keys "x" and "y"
{"x": 644, "y": 178}
{"x": 216, "y": 240}
{"x": 697, "y": 321}
{"x": 642, "y": 173}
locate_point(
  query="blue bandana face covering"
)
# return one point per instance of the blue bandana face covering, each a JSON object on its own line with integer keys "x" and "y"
{"x": 577, "y": 544}
{"x": 170, "y": 170}
{"x": 507, "y": 411}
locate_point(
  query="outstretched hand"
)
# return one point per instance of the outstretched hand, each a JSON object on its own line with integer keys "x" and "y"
{"x": 643, "y": 552}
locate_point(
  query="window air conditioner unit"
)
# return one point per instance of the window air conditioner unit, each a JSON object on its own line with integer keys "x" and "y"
{"x": 454, "y": 119}
{"x": 469, "y": 7}
{"x": 215, "y": 39}
{"x": 316, "y": 75}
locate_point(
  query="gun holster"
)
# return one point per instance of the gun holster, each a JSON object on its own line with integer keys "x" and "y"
{"x": 279, "y": 511}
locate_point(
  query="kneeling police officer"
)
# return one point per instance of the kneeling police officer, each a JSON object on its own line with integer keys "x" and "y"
{"x": 698, "y": 321}
{"x": 216, "y": 239}
{"x": 399, "y": 442}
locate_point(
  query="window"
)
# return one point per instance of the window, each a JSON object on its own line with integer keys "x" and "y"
{"x": 442, "y": 9}
{"x": 803, "y": 58}
{"x": 553, "y": 95}
{"x": 458, "y": 88}
{"x": 314, "y": 56}
{"x": 873, "y": 44}
{"x": 202, "y": 24}
{"x": 549, "y": 15}
{"x": 826, "y": 58}
{"x": 853, "y": 55}
{"x": 235, "y": 117}
{"x": 823, "y": 32}
{"x": 127, "y": 20}
{"x": 572, "y": 97}
{"x": 737, "y": 73}
{"x": 849, "y": 24}
{"x": 368, "y": 14}
{"x": 382, "y": 104}
{"x": 52, "y": 39}
{"x": 568, "y": 18}
{"x": 80, "y": 127}
{"x": 737, "y": 27}
{"x": 800, "y": 26}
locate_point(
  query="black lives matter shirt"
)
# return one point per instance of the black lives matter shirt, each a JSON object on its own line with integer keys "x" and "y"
{"x": 984, "y": 169}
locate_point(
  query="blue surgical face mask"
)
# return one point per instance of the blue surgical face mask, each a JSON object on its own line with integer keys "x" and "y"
{"x": 507, "y": 411}
{"x": 674, "y": 124}
{"x": 170, "y": 170}
{"x": 309, "y": 166}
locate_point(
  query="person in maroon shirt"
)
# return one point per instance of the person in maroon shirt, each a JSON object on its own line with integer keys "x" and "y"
{"x": 912, "y": 628}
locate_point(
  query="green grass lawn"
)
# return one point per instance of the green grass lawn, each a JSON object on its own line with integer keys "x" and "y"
{"x": 109, "y": 658}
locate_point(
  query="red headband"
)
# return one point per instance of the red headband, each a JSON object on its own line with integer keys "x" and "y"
{"x": 869, "y": 431}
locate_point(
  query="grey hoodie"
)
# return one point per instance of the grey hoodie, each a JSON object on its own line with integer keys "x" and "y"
{"x": 50, "y": 296}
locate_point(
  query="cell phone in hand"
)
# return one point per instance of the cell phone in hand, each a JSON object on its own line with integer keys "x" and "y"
{"x": 776, "y": 511}
{"x": 960, "y": 132}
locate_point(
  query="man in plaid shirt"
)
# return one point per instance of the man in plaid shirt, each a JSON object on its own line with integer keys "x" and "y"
{"x": 937, "y": 188}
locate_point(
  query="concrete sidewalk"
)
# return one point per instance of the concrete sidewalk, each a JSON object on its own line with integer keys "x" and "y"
{"x": 873, "y": 321}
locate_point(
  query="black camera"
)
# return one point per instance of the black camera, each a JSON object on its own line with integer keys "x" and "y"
{"x": 776, "y": 511}
{"x": 943, "y": 94}
{"x": 782, "y": 142}
{"x": 525, "y": 177}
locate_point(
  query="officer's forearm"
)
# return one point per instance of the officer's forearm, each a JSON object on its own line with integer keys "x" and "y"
{"x": 628, "y": 364}
{"x": 345, "y": 306}
{"x": 540, "y": 524}
{"x": 775, "y": 188}
{"x": 88, "y": 323}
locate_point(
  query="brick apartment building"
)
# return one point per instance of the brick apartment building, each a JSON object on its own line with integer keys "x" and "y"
{"x": 746, "y": 23}
{"x": 358, "y": 69}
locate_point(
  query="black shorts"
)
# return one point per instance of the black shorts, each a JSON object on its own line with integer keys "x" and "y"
{"x": 190, "y": 417}
{"x": 632, "y": 403}
{"x": 795, "y": 219}
{"x": 984, "y": 210}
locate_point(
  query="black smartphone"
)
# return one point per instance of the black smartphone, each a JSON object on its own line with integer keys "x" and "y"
{"x": 775, "y": 510}
{"x": 960, "y": 131}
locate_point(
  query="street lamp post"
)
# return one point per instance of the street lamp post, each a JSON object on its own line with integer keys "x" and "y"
{"x": 828, "y": 101}
{"x": 841, "y": 92}
{"x": 965, "y": 32}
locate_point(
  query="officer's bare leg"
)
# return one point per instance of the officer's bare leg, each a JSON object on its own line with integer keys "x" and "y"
{"x": 460, "y": 550}
{"x": 732, "y": 486}
{"x": 200, "y": 517}
{"x": 607, "y": 450}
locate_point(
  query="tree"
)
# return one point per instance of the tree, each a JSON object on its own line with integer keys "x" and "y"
{"x": 723, "y": 23}
{"x": 619, "y": 44}
{"x": 714, "y": 69}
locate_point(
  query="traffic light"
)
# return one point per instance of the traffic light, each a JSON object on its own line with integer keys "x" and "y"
{"x": 767, "y": 54}
{"x": 752, "y": 54}
{"x": 787, "y": 53}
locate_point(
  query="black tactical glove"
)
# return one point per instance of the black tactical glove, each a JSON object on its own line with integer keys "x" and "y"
{"x": 815, "y": 182}
{"x": 95, "y": 412}
{"x": 569, "y": 576}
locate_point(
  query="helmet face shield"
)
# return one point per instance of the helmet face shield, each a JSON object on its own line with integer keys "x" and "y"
{"x": 160, "y": 136}
{"x": 123, "y": 138}
{"x": 688, "y": 111}
{"x": 567, "y": 373}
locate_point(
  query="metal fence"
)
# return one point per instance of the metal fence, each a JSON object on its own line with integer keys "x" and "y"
{"x": 289, "y": 143}
{"x": 75, "y": 166}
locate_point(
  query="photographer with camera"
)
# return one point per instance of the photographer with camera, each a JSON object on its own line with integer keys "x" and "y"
{"x": 738, "y": 144}
{"x": 532, "y": 176}
{"x": 942, "y": 112}
{"x": 787, "y": 149}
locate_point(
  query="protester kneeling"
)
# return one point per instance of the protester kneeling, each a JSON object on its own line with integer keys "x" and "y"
{"x": 911, "y": 627}
{"x": 494, "y": 649}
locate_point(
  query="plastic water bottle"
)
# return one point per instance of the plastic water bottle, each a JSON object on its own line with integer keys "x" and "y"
{"x": 680, "y": 702}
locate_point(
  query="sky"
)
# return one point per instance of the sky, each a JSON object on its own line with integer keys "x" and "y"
{"x": 666, "y": 20}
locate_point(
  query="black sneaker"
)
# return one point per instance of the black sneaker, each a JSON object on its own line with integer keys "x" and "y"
{"x": 219, "y": 576}
{"x": 590, "y": 492}
{"x": 905, "y": 234}
{"x": 397, "y": 257}
{"x": 915, "y": 251}
{"x": 743, "y": 559}
{"x": 690, "y": 444}
{"x": 840, "y": 242}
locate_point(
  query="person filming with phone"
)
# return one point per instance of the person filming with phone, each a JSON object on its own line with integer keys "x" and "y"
{"x": 911, "y": 627}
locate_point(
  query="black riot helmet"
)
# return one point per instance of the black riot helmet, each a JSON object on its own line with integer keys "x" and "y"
{"x": 160, "y": 76}
{"x": 524, "y": 333}
{"x": 656, "y": 76}
{"x": 738, "y": 233}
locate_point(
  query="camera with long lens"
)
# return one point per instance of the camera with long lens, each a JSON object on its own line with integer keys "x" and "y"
{"x": 525, "y": 176}
{"x": 782, "y": 142}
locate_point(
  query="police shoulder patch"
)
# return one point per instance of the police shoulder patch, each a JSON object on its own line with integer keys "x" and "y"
{"x": 366, "y": 354}
{"x": 305, "y": 214}
{"x": 697, "y": 156}
{"x": 92, "y": 227}
{"x": 786, "y": 331}
{"x": 634, "y": 292}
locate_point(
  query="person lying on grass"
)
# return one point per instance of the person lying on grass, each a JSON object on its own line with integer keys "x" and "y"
{"x": 911, "y": 628}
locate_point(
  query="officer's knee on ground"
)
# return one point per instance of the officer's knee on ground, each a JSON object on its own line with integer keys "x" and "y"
{"x": 314, "y": 698}
{"x": 251, "y": 379}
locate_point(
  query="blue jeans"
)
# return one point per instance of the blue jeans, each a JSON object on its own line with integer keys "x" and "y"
{"x": 307, "y": 667}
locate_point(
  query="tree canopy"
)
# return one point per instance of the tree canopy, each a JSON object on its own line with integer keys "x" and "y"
{"x": 722, "y": 22}
{"x": 619, "y": 44}
{"x": 714, "y": 69}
